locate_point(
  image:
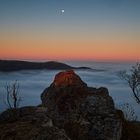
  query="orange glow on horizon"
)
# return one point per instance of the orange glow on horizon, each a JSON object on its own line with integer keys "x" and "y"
{"x": 69, "y": 49}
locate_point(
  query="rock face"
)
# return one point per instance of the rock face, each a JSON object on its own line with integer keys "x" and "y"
{"x": 29, "y": 123}
{"x": 85, "y": 113}
{"x": 68, "y": 78}
{"x": 70, "y": 110}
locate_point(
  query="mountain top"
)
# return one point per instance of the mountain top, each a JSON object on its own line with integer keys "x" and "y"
{"x": 68, "y": 78}
{"x": 16, "y": 65}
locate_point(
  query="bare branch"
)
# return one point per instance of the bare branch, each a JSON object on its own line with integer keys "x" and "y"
{"x": 133, "y": 80}
{"x": 12, "y": 95}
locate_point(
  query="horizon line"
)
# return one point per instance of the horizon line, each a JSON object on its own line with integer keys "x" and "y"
{"x": 72, "y": 60}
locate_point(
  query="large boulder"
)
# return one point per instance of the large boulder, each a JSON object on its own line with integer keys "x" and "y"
{"x": 85, "y": 113}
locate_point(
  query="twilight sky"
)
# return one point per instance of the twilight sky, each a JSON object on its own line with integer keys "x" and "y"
{"x": 87, "y": 30}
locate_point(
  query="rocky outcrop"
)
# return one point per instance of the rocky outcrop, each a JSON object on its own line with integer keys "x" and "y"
{"x": 70, "y": 110}
{"x": 85, "y": 113}
{"x": 29, "y": 123}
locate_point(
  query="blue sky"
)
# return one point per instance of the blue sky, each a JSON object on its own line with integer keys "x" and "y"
{"x": 81, "y": 19}
{"x": 76, "y": 11}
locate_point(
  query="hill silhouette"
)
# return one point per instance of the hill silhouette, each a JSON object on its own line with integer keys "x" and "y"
{"x": 16, "y": 65}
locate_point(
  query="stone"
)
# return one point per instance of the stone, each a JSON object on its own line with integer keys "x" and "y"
{"x": 30, "y": 123}
{"x": 68, "y": 78}
{"x": 85, "y": 113}
{"x": 70, "y": 110}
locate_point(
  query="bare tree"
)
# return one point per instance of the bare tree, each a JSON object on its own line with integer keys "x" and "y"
{"x": 12, "y": 95}
{"x": 128, "y": 111}
{"x": 133, "y": 79}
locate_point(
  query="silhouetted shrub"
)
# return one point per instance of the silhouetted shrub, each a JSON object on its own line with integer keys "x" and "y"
{"x": 128, "y": 110}
{"x": 133, "y": 79}
{"x": 13, "y": 98}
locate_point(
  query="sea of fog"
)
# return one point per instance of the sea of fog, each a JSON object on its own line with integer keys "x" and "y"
{"x": 33, "y": 82}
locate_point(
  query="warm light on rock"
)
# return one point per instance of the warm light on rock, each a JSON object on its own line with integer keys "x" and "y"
{"x": 68, "y": 78}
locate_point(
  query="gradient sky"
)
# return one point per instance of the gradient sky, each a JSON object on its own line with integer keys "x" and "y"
{"x": 87, "y": 30}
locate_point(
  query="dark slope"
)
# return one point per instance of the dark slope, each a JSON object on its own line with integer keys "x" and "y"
{"x": 15, "y": 65}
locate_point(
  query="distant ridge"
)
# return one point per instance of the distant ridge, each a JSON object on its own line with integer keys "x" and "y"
{"x": 16, "y": 65}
